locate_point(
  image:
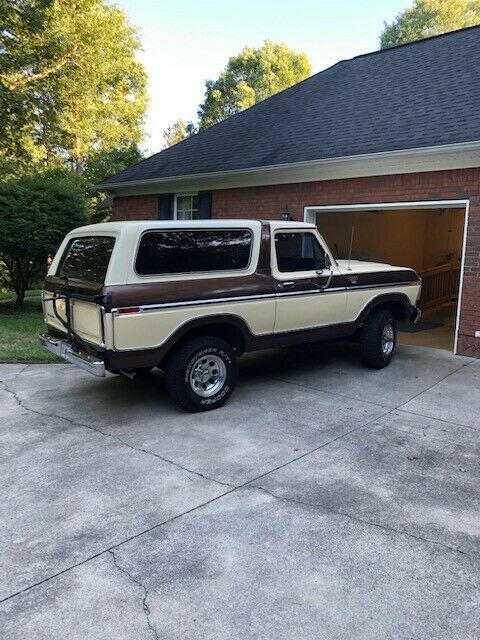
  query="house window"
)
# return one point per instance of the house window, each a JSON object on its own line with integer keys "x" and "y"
{"x": 187, "y": 207}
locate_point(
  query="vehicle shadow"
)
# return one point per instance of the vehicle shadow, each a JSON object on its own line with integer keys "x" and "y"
{"x": 254, "y": 368}
{"x": 267, "y": 364}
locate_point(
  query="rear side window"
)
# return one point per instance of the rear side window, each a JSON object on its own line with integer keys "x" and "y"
{"x": 187, "y": 251}
{"x": 87, "y": 258}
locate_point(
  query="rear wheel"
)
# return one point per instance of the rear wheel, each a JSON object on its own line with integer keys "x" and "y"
{"x": 378, "y": 339}
{"x": 202, "y": 374}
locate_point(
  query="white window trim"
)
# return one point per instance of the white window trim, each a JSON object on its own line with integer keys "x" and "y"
{"x": 181, "y": 195}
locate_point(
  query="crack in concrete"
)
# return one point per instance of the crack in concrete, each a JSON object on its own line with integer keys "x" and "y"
{"x": 246, "y": 484}
{"x": 329, "y": 392}
{"x": 350, "y": 516}
{"x": 146, "y": 608}
{"x": 22, "y": 404}
{"x": 462, "y": 366}
{"x": 370, "y": 402}
{"x": 308, "y": 453}
{"x": 443, "y": 420}
{"x": 116, "y": 546}
{"x": 232, "y": 488}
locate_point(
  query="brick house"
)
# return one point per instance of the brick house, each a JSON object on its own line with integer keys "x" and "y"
{"x": 387, "y": 143}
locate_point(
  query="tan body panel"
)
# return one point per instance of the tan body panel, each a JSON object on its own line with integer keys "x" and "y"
{"x": 308, "y": 311}
{"x": 151, "y": 328}
{"x": 358, "y": 299}
{"x": 86, "y": 318}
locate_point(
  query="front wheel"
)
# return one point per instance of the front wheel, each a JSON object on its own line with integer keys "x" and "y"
{"x": 202, "y": 374}
{"x": 378, "y": 339}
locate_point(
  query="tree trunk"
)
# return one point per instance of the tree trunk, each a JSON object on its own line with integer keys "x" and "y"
{"x": 78, "y": 156}
{"x": 19, "y": 297}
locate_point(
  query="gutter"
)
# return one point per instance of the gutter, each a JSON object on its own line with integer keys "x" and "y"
{"x": 454, "y": 156}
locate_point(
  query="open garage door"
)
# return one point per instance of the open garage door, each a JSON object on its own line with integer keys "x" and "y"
{"x": 429, "y": 237}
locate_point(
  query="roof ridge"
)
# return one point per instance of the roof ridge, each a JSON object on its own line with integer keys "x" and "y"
{"x": 314, "y": 75}
{"x": 415, "y": 42}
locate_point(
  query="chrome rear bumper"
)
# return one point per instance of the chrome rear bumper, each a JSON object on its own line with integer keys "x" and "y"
{"x": 66, "y": 351}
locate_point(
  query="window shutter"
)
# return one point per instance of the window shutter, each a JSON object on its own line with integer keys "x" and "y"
{"x": 165, "y": 206}
{"x": 204, "y": 205}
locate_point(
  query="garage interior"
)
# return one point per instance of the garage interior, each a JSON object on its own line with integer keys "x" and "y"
{"x": 430, "y": 240}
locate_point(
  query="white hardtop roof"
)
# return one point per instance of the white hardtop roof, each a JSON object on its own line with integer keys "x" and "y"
{"x": 143, "y": 225}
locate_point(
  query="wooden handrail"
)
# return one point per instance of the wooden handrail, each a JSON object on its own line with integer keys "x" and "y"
{"x": 439, "y": 285}
{"x": 442, "y": 268}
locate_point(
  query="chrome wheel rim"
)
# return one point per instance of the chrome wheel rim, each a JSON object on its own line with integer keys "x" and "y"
{"x": 208, "y": 375}
{"x": 388, "y": 339}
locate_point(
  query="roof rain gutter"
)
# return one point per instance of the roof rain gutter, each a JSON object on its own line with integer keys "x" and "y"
{"x": 437, "y": 158}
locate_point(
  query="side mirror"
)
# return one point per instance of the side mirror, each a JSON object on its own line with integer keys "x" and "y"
{"x": 328, "y": 262}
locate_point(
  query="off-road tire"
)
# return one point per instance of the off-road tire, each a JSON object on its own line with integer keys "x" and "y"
{"x": 372, "y": 351}
{"x": 179, "y": 369}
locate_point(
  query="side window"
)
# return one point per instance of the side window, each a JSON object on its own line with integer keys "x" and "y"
{"x": 187, "y": 251}
{"x": 298, "y": 252}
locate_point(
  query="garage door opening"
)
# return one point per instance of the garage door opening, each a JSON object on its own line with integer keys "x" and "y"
{"x": 429, "y": 237}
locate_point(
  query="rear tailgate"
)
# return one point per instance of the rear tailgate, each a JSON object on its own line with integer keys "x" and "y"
{"x": 86, "y": 318}
{"x": 73, "y": 290}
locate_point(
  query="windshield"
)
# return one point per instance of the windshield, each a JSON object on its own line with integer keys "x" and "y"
{"x": 87, "y": 258}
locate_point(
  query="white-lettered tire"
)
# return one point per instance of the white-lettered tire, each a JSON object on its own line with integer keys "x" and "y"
{"x": 378, "y": 339}
{"x": 201, "y": 374}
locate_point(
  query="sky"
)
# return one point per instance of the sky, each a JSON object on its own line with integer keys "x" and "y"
{"x": 186, "y": 42}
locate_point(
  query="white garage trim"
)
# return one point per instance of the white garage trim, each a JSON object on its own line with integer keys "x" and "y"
{"x": 310, "y": 214}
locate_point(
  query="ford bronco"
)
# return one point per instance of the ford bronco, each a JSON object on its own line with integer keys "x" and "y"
{"x": 191, "y": 297}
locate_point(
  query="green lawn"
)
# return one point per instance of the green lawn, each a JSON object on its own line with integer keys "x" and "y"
{"x": 19, "y": 330}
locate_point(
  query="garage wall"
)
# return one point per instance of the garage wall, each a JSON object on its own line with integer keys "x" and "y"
{"x": 412, "y": 238}
{"x": 443, "y": 237}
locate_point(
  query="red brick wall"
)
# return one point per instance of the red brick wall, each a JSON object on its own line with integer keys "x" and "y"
{"x": 135, "y": 208}
{"x": 267, "y": 202}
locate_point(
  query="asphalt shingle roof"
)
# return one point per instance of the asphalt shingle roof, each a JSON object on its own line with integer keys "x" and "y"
{"x": 422, "y": 94}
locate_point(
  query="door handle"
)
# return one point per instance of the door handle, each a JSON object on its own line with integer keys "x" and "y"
{"x": 288, "y": 284}
{"x": 329, "y": 279}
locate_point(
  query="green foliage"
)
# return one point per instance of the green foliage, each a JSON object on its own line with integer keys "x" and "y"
{"x": 249, "y": 77}
{"x": 36, "y": 212}
{"x": 178, "y": 131}
{"x": 70, "y": 84}
{"x": 427, "y": 18}
{"x": 102, "y": 164}
{"x": 99, "y": 166}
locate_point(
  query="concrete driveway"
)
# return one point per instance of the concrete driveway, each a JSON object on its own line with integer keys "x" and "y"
{"x": 324, "y": 501}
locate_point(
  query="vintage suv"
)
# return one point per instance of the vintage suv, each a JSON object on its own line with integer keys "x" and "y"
{"x": 191, "y": 297}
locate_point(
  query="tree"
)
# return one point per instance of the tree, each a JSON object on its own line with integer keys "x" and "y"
{"x": 249, "y": 77}
{"x": 100, "y": 164}
{"x": 70, "y": 84}
{"x": 36, "y": 212}
{"x": 177, "y": 132}
{"x": 427, "y": 18}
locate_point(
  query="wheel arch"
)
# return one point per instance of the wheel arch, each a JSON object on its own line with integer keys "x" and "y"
{"x": 229, "y": 327}
{"x": 397, "y": 303}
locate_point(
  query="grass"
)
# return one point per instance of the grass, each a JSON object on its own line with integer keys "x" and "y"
{"x": 19, "y": 329}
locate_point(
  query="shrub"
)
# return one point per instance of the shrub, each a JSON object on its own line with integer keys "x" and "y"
{"x": 36, "y": 211}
